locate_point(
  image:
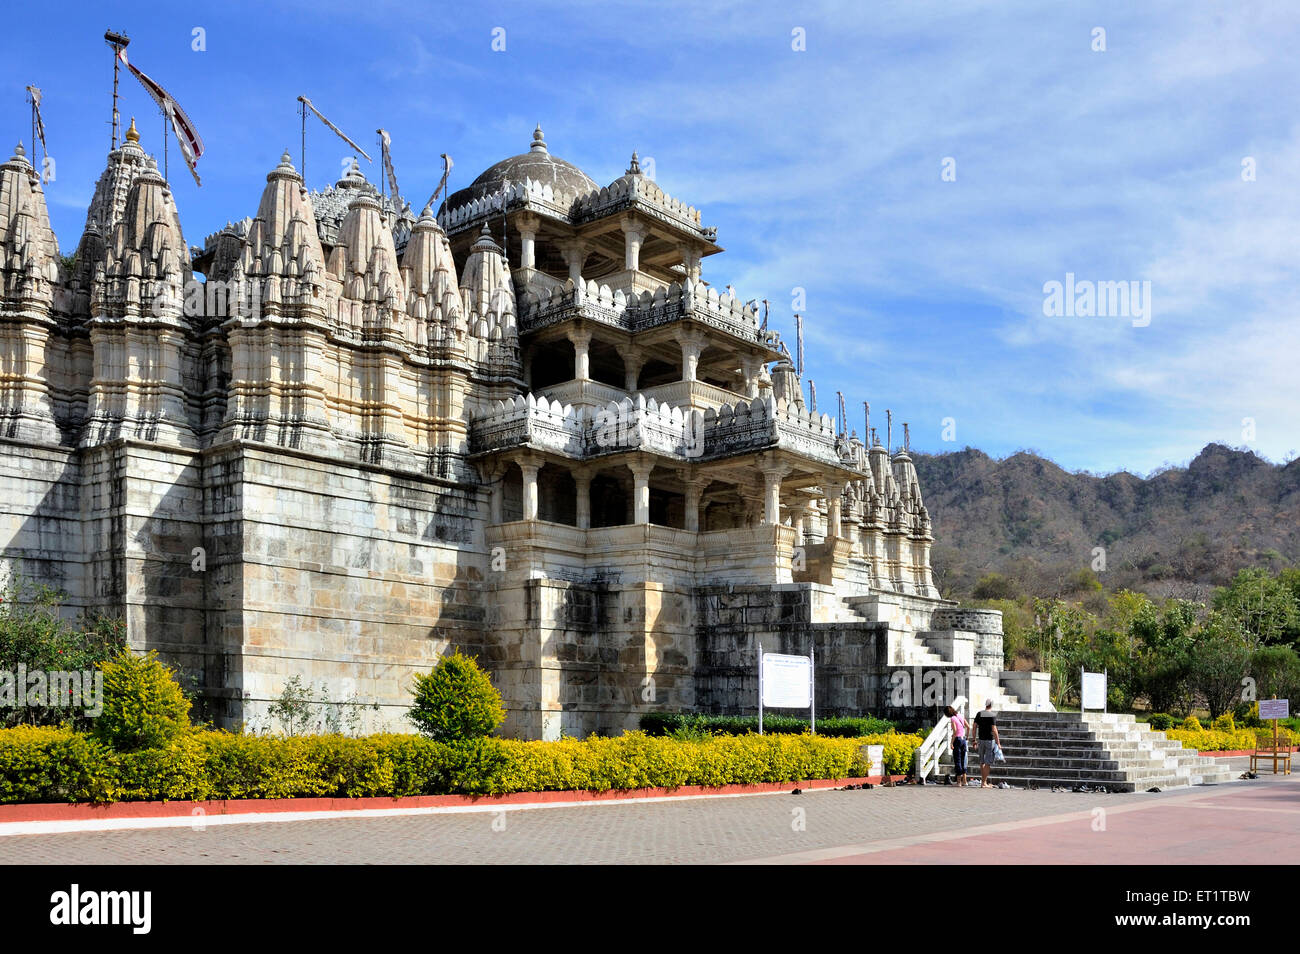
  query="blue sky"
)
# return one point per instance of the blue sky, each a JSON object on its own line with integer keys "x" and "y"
{"x": 821, "y": 169}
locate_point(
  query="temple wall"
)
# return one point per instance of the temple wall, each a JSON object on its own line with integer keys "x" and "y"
{"x": 351, "y": 577}
{"x": 851, "y": 665}
{"x": 40, "y": 518}
{"x": 589, "y": 628}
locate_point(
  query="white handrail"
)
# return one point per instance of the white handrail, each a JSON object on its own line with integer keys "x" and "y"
{"x": 936, "y": 745}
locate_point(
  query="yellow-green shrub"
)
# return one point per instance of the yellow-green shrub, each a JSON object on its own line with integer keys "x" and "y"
{"x": 143, "y": 703}
{"x": 168, "y": 772}
{"x": 244, "y": 766}
{"x": 1208, "y": 740}
{"x": 60, "y": 765}
{"x": 47, "y": 764}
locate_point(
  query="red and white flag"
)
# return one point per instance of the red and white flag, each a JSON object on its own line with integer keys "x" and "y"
{"x": 190, "y": 142}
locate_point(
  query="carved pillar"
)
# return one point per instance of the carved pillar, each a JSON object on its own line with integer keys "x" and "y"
{"x": 833, "y": 491}
{"x": 581, "y": 354}
{"x": 633, "y": 236}
{"x": 692, "y": 344}
{"x": 641, "y": 469}
{"x": 772, "y": 474}
{"x": 582, "y": 485}
{"x": 691, "y": 261}
{"x": 751, "y": 367}
{"x": 633, "y": 362}
{"x": 530, "y": 469}
{"x": 527, "y": 225}
{"x": 575, "y": 254}
{"x": 694, "y": 490}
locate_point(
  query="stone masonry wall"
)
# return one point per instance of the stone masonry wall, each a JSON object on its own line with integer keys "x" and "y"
{"x": 347, "y": 576}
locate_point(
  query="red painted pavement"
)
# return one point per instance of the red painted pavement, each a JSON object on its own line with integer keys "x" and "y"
{"x": 1250, "y": 826}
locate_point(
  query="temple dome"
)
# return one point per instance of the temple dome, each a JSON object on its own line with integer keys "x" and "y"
{"x": 537, "y": 164}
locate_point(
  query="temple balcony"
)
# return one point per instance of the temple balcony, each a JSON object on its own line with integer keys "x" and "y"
{"x": 682, "y": 434}
{"x": 675, "y": 302}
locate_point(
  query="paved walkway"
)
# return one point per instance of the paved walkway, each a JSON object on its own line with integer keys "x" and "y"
{"x": 1244, "y": 822}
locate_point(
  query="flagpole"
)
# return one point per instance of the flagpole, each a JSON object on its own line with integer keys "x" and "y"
{"x": 302, "y": 151}
{"x": 166, "y": 139}
{"x": 118, "y": 42}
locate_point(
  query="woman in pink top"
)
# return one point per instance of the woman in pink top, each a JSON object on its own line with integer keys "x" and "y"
{"x": 958, "y": 725}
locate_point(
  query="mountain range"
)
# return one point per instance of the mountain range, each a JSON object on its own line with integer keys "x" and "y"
{"x": 1180, "y": 531}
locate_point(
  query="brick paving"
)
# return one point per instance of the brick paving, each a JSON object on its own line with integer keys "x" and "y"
{"x": 904, "y": 824}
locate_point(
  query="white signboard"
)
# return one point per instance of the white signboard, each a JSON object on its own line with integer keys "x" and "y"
{"x": 787, "y": 681}
{"x": 1274, "y": 709}
{"x": 876, "y": 756}
{"x": 1094, "y": 690}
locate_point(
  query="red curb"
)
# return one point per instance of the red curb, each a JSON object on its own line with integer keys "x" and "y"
{"x": 261, "y": 806}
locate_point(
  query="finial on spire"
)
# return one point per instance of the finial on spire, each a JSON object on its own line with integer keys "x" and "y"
{"x": 133, "y": 134}
{"x": 19, "y": 151}
{"x": 539, "y": 140}
{"x": 907, "y": 438}
{"x": 635, "y": 168}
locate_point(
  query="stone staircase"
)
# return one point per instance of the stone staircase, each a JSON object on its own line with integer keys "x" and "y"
{"x": 934, "y": 650}
{"x": 1066, "y": 749}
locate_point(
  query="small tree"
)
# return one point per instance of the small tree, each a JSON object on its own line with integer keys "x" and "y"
{"x": 1218, "y": 663}
{"x": 456, "y": 702}
{"x": 995, "y": 586}
{"x": 35, "y": 635}
{"x": 1276, "y": 670}
{"x": 293, "y": 709}
{"x": 144, "y": 706}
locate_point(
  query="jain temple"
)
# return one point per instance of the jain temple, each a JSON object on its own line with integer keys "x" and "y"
{"x": 339, "y": 440}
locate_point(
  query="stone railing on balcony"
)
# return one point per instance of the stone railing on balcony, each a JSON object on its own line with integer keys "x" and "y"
{"x": 647, "y": 198}
{"x": 639, "y": 193}
{"x": 643, "y": 312}
{"x": 530, "y": 194}
{"x": 692, "y": 394}
{"x": 645, "y": 424}
{"x": 588, "y": 392}
{"x": 530, "y": 421}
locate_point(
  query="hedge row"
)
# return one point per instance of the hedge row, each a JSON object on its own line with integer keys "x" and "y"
{"x": 668, "y": 723}
{"x": 1211, "y": 740}
{"x": 42, "y": 764}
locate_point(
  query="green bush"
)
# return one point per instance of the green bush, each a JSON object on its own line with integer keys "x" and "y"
{"x": 1191, "y": 724}
{"x": 456, "y": 701}
{"x": 34, "y": 634}
{"x": 48, "y": 764}
{"x": 1224, "y": 723}
{"x": 690, "y": 725}
{"x": 1160, "y": 721}
{"x": 144, "y": 706}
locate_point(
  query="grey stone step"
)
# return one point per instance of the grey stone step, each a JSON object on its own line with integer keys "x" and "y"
{"x": 1112, "y": 750}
